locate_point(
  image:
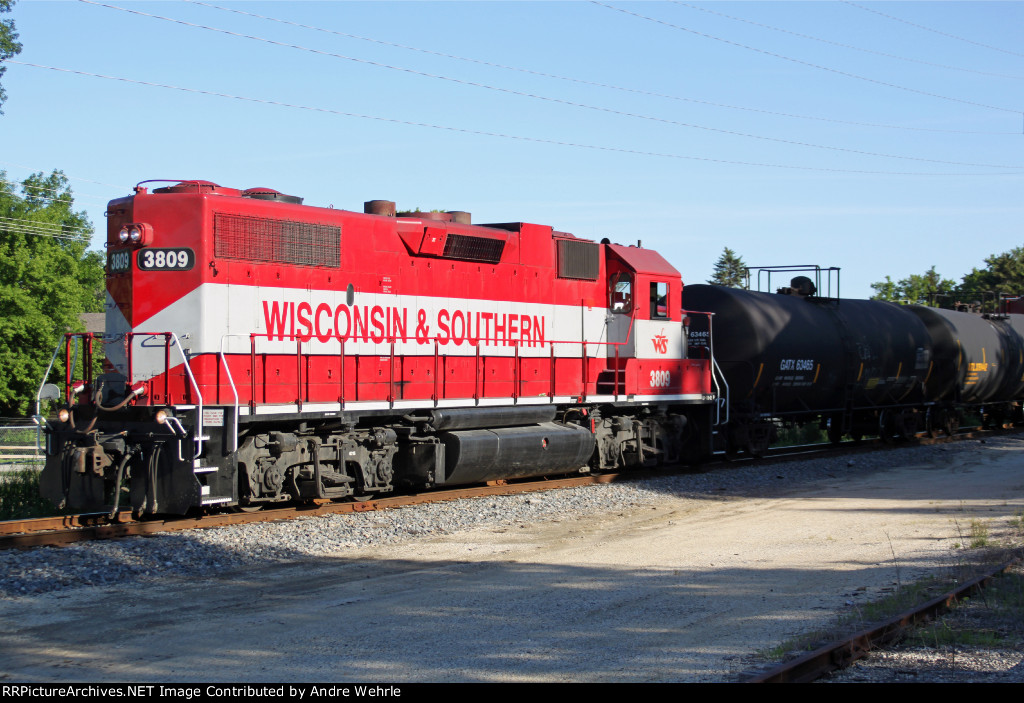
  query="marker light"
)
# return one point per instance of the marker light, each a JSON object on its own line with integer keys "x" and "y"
{"x": 161, "y": 416}
{"x": 63, "y": 415}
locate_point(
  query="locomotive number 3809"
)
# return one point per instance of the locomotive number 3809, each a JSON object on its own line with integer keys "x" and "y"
{"x": 166, "y": 259}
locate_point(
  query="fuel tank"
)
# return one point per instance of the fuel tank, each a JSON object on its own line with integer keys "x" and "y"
{"x": 473, "y": 456}
{"x": 784, "y": 354}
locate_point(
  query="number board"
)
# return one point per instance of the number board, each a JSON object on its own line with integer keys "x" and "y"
{"x": 165, "y": 259}
{"x": 119, "y": 260}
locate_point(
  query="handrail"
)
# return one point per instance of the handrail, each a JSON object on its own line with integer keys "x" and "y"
{"x": 130, "y": 337}
{"x": 718, "y": 392}
{"x": 393, "y": 340}
{"x": 39, "y": 394}
{"x": 231, "y": 382}
{"x": 514, "y": 355}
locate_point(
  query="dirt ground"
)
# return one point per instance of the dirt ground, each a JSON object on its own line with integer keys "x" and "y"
{"x": 680, "y": 590}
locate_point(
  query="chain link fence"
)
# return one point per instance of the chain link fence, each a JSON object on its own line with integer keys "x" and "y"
{"x": 19, "y": 443}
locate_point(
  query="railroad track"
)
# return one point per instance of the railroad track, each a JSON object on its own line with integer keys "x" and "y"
{"x": 842, "y": 652}
{"x": 64, "y": 530}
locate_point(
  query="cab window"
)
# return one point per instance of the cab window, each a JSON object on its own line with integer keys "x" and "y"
{"x": 620, "y": 293}
{"x": 659, "y": 300}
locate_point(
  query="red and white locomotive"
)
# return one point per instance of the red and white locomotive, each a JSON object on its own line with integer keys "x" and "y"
{"x": 260, "y": 350}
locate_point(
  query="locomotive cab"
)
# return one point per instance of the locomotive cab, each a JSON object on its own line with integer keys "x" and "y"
{"x": 645, "y": 324}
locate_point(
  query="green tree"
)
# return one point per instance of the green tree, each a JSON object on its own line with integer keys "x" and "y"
{"x": 886, "y": 290}
{"x": 47, "y": 278}
{"x": 1003, "y": 273}
{"x": 928, "y": 288}
{"x": 729, "y": 270}
{"x": 9, "y": 46}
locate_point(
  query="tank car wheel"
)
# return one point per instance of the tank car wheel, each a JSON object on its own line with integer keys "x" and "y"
{"x": 247, "y": 508}
{"x": 997, "y": 420}
{"x": 856, "y": 436}
{"x": 884, "y": 431}
{"x": 905, "y": 426}
{"x": 756, "y": 449}
{"x": 758, "y": 439}
{"x": 835, "y": 430}
{"x": 732, "y": 448}
{"x": 931, "y": 423}
{"x": 950, "y": 423}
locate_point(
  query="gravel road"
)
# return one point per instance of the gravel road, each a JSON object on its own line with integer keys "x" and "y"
{"x": 677, "y": 578}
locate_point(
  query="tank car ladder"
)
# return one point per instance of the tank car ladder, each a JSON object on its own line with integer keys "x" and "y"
{"x": 721, "y": 398}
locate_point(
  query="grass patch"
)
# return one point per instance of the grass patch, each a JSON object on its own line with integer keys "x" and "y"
{"x": 979, "y": 535}
{"x": 799, "y": 435}
{"x": 992, "y": 618}
{"x": 19, "y": 435}
{"x": 19, "y": 496}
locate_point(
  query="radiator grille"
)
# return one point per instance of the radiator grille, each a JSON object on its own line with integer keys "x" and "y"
{"x": 276, "y": 241}
{"x": 577, "y": 259}
{"x": 459, "y": 246}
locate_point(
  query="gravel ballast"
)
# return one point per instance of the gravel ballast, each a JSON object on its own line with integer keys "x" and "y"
{"x": 459, "y": 530}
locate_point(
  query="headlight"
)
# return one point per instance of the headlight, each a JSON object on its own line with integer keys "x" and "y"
{"x": 136, "y": 233}
{"x": 63, "y": 415}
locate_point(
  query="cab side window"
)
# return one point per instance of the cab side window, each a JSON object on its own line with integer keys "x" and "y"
{"x": 620, "y": 293}
{"x": 659, "y": 300}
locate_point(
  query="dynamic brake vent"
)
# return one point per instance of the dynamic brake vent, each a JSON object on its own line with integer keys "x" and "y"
{"x": 460, "y": 246}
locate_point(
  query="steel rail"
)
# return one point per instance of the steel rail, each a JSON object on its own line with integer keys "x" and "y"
{"x": 63, "y": 530}
{"x": 68, "y": 529}
{"x": 841, "y": 653}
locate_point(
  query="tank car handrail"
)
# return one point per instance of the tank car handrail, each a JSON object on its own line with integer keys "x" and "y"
{"x": 714, "y": 364}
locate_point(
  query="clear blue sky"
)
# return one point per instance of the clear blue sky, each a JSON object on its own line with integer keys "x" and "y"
{"x": 946, "y": 78}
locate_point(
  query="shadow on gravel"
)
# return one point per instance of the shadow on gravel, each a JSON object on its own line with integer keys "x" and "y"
{"x": 832, "y": 476}
{"x": 177, "y": 607}
{"x": 395, "y": 620}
